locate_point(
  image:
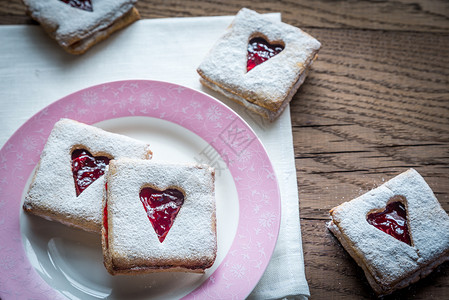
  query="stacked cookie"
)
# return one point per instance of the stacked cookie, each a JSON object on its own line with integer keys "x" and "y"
{"x": 152, "y": 216}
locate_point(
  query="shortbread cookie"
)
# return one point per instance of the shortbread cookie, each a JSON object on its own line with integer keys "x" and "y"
{"x": 397, "y": 233}
{"x": 158, "y": 217}
{"x": 259, "y": 63}
{"x": 68, "y": 183}
{"x": 78, "y": 25}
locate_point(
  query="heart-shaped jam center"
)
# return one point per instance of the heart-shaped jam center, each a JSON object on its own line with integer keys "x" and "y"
{"x": 393, "y": 221}
{"x": 162, "y": 207}
{"x": 259, "y": 51}
{"x": 81, "y": 4}
{"x": 86, "y": 168}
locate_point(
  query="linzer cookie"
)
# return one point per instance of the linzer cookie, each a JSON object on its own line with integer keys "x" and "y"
{"x": 68, "y": 184}
{"x": 79, "y": 24}
{"x": 158, "y": 217}
{"x": 259, "y": 63}
{"x": 397, "y": 233}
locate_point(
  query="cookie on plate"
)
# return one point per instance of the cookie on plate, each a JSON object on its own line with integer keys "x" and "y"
{"x": 158, "y": 217}
{"x": 67, "y": 186}
{"x": 259, "y": 63}
{"x": 397, "y": 233}
{"x": 76, "y": 25}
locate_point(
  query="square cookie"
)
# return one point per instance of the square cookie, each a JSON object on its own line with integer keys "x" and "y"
{"x": 259, "y": 63}
{"x": 159, "y": 217}
{"x": 76, "y": 25}
{"x": 397, "y": 233}
{"x": 68, "y": 183}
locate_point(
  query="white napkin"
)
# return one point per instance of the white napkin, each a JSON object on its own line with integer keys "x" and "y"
{"x": 35, "y": 72}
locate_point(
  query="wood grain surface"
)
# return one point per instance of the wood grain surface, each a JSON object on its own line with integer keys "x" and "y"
{"x": 375, "y": 104}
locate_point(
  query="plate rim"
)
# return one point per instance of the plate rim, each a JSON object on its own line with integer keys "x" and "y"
{"x": 204, "y": 289}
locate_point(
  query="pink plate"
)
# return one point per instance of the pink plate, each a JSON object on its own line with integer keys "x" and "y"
{"x": 258, "y": 216}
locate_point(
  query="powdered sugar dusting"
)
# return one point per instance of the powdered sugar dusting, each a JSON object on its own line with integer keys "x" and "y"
{"x": 192, "y": 237}
{"x": 387, "y": 259}
{"x": 268, "y": 84}
{"x": 69, "y": 22}
{"x": 151, "y": 211}
{"x": 53, "y": 189}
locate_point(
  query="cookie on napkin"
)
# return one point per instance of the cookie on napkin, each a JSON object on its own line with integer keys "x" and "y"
{"x": 259, "y": 63}
{"x": 77, "y": 25}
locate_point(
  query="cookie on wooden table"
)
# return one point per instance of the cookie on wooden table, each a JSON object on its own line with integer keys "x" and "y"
{"x": 397, "y": 233}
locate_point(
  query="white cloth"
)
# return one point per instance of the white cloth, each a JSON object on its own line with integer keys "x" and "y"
{"x": 35, "y": 72}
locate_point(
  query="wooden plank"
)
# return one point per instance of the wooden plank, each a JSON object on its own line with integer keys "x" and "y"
{"x": 386, "y": 15}
{"x": 420, "y": 15}
{"x": 374, "y": 105}
{"x": 368, "y": 111}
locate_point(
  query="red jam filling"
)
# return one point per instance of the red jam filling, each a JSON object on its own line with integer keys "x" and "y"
{"x": 162, "y": 208}
{"x": 393, "y": 221}
{"x": 259, "y": 51}
{"x": 81, "y": 4}
{"x": 105, "y": 224}
{"x": 86, "y": 168}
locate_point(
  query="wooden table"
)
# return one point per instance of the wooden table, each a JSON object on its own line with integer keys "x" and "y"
{"x": 375, "y": 104}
